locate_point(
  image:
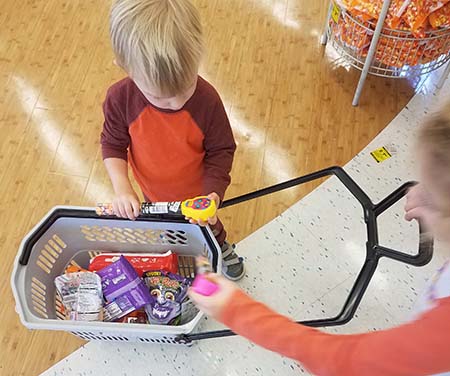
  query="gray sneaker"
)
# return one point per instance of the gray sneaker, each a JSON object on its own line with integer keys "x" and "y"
{"x": 232, "y": 264}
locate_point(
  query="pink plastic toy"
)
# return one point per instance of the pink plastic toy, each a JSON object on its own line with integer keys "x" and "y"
{"x": 204, "y": 286}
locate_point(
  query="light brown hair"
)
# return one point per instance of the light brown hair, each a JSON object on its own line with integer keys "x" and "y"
{"x": 159, "y": 40}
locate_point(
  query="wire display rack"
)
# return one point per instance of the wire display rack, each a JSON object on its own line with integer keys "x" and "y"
{"x": 379, "y": 50}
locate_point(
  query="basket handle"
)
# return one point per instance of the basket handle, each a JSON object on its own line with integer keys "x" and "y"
{"x": 198, "y": 208}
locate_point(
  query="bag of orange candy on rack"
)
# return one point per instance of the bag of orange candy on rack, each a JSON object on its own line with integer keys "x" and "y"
{"x": 441, "y": 17}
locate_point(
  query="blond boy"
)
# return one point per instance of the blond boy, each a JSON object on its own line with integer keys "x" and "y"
{"x": 164, "y": 120}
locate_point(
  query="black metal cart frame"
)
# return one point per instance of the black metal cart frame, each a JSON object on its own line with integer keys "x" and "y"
{"x": 374, "y": 251}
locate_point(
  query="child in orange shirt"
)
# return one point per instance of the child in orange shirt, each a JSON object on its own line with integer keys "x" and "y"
{"x": 419, "y": 347}
{"x": 164, "y": 120}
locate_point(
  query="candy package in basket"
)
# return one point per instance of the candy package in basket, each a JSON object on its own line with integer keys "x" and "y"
{"x": 141, "y": 262}
{"x": 168, "y": 294}
{"x": 81, "y": 294}
{"x": 123, "y": 289}
{"x": 124, "y": 295}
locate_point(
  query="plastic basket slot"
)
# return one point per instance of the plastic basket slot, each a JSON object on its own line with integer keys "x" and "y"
{"x": 38, "y": 301}
{"x": 52, "y": 251}
{"x": 172, "y": 240}
{"x": 155, "y": 236}
{"x": 130, "y": 233}
{"x": 85, "y": 336}
{"x": 186, "y": 266}
{"x": 37, "y": 295}
{"x": 39, "y": 311}
{"x": 43, "y": 267}
{"x": 87, "y": 234}
{"x": 58, "y": 240}
{"x": 55, "y": 245}
{"x": 58, "y": 300}
{"x": 81, "y": 335}
{"x": 60, "y": 311}
{"x": 158, "y": 340}
{"x": 171, "y": 237}
{"x": 48, "y": 256}
{"x": 139, "y": 235}
{"x": 38, "y": 298}
{"x": 92, "y": 336}
{"x": 93, "y": 254}
{"x": 176, "y": 237}
{"x": 36, "y": 289}
{"x": 181, "y": 239}
{"x": 38, "y": 304}
{"x": 75, "y": 264}
{"x": 120, "y": 237}
{"x": 48, "y": 263}
{"x": 39, "y": 284}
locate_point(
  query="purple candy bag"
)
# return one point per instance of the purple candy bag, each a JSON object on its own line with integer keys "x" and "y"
{"x": 168, "y": 293}
{"x": 121, "y": 283}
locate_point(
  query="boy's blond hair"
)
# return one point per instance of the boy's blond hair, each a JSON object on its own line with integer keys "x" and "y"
{"x": 159, "y": 40}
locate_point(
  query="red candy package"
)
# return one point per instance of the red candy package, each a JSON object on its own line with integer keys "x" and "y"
{"x": 141, "y": 262}
{"x": 136, "y": 317}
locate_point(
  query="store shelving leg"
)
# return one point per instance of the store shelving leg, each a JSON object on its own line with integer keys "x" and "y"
{"x": 371, "y": 53}
{"x": 324, "y": 36}
{"x": 444, "y": 76}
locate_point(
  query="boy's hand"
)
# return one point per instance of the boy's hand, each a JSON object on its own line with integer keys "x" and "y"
{"x": 420, "y": 206}
{"x": 214, "y": 304}
{"x": 126, "y": 205}
{"x": 212, "y": 220}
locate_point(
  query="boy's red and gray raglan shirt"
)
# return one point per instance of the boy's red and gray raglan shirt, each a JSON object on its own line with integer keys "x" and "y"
{"x": 174, "y": 155}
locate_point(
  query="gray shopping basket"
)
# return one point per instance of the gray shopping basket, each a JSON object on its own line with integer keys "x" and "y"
{"x": 73, "y": 235}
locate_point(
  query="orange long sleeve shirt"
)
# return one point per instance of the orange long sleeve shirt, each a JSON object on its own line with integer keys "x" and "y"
{"x": 421, "y": 347}
{"x": 174, "y": 155}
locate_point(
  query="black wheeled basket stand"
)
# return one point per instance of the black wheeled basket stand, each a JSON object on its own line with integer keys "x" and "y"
{"x": 374, "y": 251}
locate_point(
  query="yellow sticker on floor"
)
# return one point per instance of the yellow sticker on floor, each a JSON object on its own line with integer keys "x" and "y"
{"x": 335, "y": 13}
{"x": 381, "y": 154}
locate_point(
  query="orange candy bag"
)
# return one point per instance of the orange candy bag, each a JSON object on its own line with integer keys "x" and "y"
{"x": 417, "y": 13}
{"x": 441, "y": 17}
{"x": 372, "y": 10}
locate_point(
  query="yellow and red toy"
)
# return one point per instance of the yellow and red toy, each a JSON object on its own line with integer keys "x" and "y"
{"x": 199, "y": 208}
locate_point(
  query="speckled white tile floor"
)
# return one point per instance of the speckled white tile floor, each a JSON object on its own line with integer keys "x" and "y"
{"x": 303, "y": 264}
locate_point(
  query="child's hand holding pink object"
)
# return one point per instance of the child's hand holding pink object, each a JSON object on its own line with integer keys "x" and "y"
{"x": 214, "y": 304}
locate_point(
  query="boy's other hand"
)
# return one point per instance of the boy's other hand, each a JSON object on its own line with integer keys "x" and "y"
{"x": 420, "y": 206}
{"x": 127, "y": 205}
{"x": 212, "y": 220}
{"x": 214, "y": 304}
